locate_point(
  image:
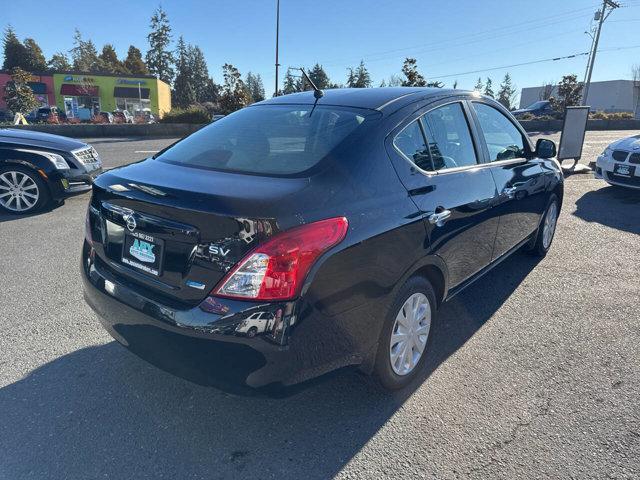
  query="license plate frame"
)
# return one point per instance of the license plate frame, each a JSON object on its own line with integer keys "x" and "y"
{"x": 147, "y": 255}
{"x": 624, "y": 170}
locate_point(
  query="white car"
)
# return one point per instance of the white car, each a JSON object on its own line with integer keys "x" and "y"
{"x": 619, "y": 164}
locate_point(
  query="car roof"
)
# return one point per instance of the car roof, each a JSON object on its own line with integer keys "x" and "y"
{"x": 372, "y": 98}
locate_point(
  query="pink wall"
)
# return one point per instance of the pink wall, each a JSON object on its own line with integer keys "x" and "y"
{"x": 46, "y": 79}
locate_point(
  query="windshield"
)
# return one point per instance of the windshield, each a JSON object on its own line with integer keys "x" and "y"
{"x": 537, "y": 105}
{"x": 269, "y": 139}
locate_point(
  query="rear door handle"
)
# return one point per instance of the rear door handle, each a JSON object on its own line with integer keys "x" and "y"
{"x": 439, "y": 219}
{"x": 510, "y": 191}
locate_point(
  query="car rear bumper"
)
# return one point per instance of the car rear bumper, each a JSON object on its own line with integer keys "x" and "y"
{"x": 207, "y": 344}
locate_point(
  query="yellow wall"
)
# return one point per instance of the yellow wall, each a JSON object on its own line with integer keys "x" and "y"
{"x": 164, "y": 98}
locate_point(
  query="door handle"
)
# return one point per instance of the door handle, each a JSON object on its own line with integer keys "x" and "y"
{"x": 510, "y": 191}
{"x": 438, "y": 219}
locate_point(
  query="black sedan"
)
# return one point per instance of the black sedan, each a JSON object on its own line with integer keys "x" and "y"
{"x": 342, "y": 221}
{"x": 38, "y": 168}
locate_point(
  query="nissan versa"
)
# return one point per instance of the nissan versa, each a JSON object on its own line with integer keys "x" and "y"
{"x": 311, "y": 232}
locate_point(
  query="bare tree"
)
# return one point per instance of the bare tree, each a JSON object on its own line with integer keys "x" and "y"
{"x": 547, "y": 91}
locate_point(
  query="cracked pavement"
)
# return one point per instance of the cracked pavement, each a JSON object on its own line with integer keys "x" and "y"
{"x": 534, "y": 372}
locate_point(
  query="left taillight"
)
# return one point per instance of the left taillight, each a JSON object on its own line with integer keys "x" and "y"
{"x": 276, "y": 269}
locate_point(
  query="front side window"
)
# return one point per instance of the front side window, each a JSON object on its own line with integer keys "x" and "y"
{"x": 269, "y": 139}
{"x": 503, "y": 139}
{"x": 450, "y": 142}
{"x": 410, "y": 142}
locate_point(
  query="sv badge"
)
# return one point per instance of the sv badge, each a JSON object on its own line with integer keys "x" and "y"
{"x": 218, "y": 250}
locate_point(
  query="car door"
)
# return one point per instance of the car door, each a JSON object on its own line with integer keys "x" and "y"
{"x": 438, "y": 162}
{"x": 519, "y": 178}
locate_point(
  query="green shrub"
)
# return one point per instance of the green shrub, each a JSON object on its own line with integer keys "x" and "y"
{"x": 187, "y": 115}
{"x": 611, "y": 116}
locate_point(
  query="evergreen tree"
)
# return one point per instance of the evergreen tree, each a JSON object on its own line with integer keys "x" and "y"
{"x": 84, "y": 54}
{"x": 211, "y": 93}
{"x": 184, "y": 93}
{"x": 488, "y": 88}
{"x": 234, "y": 92}
{"x": 109, "y": 62}
{"x": 14, "y": 51}
{"x": 159, "y": 57}
{"x": 507, "y": 92}
{"x": 318, "y": 76}
{"x": 134, "y": 63}
{"x": 199, "y": 71}
{"x": 569, "y": 93}
{"x": 479, "y": 86}
{"x": 255, "y": 88}
{"x": 412, "y": 76}
{"x": 17, "y": 93}
{"x": 34, "y": 59}
{"x": 359, "y": 77}
{"x": 291, "y": 83}
{"x": 59, "y": 62}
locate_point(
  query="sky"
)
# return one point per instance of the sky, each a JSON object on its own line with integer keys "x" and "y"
{"x": 448, "y": 38}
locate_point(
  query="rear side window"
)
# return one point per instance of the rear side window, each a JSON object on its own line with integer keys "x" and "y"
{"x": 410, "y": 142}
{"x": 502, "y": 137}
{"x": 449, "y": 138}
{"x": 269, "y": 139}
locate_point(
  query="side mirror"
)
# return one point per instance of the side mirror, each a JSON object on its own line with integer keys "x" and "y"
{"x": 545, "y": 148}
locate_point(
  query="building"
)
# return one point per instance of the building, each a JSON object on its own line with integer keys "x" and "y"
{"x": 75, "y": 93}
{"x": 607, "y": 96}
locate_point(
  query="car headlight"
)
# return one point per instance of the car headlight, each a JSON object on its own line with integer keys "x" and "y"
{"x": 607, "y": 152}
{"x": 58, "y": 160}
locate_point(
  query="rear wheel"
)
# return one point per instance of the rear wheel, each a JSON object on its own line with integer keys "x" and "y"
{"x": 547, "y": 229}
{"x": 21, "y": 190}
{"x": 406, "y": 335}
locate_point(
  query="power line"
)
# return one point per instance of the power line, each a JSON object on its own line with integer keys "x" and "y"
{"x": 473, "y": 37}
{"x": 553, "y": 59}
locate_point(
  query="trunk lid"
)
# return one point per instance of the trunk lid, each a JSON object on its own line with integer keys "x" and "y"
{"x": 176, "y": 231}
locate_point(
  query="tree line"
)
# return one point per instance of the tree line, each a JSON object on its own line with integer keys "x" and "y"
{"x": 183, "y": 66}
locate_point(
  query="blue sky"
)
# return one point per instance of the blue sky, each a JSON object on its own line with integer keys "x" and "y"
{"x": 447, "y": 38}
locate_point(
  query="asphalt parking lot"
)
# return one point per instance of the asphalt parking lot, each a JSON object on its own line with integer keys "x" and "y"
{"x": 534, "y": 375}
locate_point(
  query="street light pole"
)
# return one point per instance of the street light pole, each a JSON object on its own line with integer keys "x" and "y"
{"x": 275, "y": 94}
{"x": 594, "y": 49}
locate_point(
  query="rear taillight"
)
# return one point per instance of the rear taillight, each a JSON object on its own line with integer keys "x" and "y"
{"x": 276, "y": 269}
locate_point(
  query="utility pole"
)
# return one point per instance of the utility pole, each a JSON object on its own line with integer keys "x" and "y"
{"x": 275, "y": 94}
{"x": 608, "y": 6}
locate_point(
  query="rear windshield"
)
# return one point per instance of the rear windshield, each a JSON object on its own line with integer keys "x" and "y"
{"x": 269, "y": 139}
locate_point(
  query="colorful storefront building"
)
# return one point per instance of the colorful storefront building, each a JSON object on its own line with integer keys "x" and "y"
{"x": 82, "y": 94}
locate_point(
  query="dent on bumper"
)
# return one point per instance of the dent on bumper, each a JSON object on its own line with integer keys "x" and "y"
{"x": 216, "y": 343}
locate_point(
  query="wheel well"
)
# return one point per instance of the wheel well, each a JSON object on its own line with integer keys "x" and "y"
{"x": 559, "y": 191}
{"x": 435, "y": 277}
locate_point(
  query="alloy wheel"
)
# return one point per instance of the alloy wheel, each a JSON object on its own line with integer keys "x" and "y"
{"x": 18, "y": 191}
{"x": 549, "y": 227}
{"x": 409, "y": 334}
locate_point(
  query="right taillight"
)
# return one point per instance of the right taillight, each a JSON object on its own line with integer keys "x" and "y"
{"x": 276, "y": 269}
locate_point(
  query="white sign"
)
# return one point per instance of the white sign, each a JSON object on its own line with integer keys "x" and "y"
{"x": 573, "y": 130}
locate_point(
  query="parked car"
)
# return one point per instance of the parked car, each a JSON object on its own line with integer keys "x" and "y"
{"x": 122, "y": 116}
{"x": 43, "y": 114}
{"x": 38, "y": 168}
{"x": 346, "y": 219}
{"x": 619, "y": 163}
{"x": 537, "y": 109}
{"x": 145, "y": 115}
{"x": 105, "y": 117}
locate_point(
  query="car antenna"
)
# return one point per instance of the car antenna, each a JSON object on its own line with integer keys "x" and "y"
{"x": 316, "y": 91}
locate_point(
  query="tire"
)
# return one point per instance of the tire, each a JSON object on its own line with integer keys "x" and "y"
{"x": 252, "y": 332}
{"x": 543, "y": 238}
{"x": 388, "y": 372}
{"x": 22, "y": 201}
